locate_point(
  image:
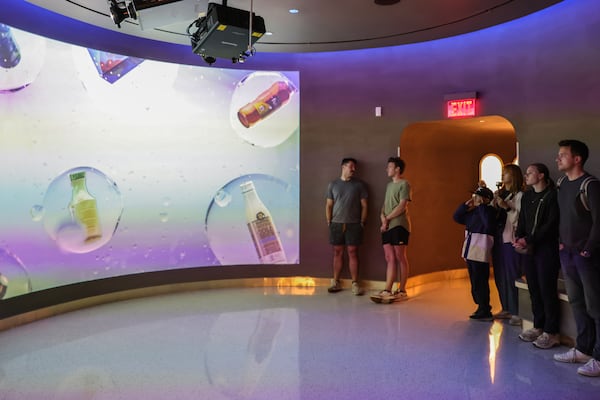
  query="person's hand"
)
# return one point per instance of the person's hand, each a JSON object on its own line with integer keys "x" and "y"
{"x": 385, "y": 224}
{"x": 520, "y": 243}
{"x": 500, "y": 202}
{"x": 585, "y": 254}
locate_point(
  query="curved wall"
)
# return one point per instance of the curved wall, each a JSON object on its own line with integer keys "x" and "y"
{"x": 538, "y": 72}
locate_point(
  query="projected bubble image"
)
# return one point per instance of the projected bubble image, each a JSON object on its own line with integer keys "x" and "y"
{"x": 251, "y": 219}
{"x": 14, "y": 277}
{"x": 21, "y": 58}
{"x": 262, "y": 107}
{"x": 114, "y": 165}
{"x": 82, "y": 209}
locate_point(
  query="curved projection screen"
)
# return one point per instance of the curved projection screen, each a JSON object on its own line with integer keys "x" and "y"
{"x": 114, "y": 165}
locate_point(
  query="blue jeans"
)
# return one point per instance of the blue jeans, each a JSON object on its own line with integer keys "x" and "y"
{"x": 541, "y": 271}
{"x": 507, "y": 269}
{"x": 582, "y": 280}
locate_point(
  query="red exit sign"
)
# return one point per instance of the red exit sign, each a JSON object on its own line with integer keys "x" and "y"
{"x": 461, "y": 108}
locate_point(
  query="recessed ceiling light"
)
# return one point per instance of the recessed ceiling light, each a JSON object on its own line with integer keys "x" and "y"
{"x": 294, "y": 11}
{"x": 268, "y": 33}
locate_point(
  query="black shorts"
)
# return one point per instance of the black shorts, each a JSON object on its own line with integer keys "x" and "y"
{"x": 396, "y": 236}
{"x": 345, "y": 234}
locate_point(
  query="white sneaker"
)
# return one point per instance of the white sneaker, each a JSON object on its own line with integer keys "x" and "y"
{"x": 400, "y": 295}
{"x": 387, "y": 297}
{"x": 335, "y": 287}
{"x": 530, "y": 334}
{"x": 591, "y": 368}
{"x": 572, "y": 356}
{"x": 356, "y": 289}
{"x": 547, "y": 340}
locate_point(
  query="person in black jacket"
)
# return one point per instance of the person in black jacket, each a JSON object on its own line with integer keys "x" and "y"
{"x": 479, "y": 218}
{"x": 537, "y": 230}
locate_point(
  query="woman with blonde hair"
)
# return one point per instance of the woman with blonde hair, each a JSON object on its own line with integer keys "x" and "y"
{"x": 506, "y": 261}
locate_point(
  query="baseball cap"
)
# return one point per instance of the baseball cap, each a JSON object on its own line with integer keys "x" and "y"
{"x": 484, "y": 192}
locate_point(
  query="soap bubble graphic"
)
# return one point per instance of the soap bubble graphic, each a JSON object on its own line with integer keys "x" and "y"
{"x": 23, "y": 56}
{"x": 276, "y": 126}
{"x": 60, "y": 223}
{"x": 226, "y": 225}
{"x": 14, "y": 277}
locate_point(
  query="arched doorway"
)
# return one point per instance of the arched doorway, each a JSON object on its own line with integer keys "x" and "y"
{"x": 443, "y": 161}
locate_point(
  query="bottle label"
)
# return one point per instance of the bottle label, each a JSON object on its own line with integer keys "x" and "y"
{"x": 265, "y": 238}
{"x": 86, "y": 214}
{"x": 264, "y": 108}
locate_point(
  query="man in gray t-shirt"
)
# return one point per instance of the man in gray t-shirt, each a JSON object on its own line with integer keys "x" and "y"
{"x": 346, "y": 213}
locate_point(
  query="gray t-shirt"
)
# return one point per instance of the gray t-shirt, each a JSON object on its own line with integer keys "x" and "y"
{"x": 346, "y": 196}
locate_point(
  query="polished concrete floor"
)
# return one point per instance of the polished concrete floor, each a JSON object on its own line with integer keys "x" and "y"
{"x": 265, "y": 343}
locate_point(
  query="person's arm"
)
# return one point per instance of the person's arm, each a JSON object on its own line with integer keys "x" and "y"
{"x": 397, "y": 211}
{"x": 363, "y": 211}
{"x": 460, "y": 215}
{"x": 328, "y": 210}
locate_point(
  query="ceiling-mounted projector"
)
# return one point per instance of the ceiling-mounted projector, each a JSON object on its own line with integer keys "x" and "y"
{"x": 226, "y": 32}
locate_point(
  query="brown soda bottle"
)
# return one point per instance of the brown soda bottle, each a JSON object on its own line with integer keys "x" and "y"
{"x": 269, "y": 101}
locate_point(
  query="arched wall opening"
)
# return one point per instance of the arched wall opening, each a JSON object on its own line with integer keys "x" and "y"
{"x": 443, "y": 166}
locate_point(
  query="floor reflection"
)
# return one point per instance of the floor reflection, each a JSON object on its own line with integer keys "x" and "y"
{"x": 253, "y": 343}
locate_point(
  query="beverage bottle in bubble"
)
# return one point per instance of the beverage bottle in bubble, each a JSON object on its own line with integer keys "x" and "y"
{"x": 262, "y": 228}
{"x": 269, "y": 101}
{"x": 10, "y": 55}
{"x": 83, "y": 207}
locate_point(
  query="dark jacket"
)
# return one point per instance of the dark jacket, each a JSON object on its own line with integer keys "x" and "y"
{"x": 480, "y": 225}
{"x": 546, "y": 229}
{"x": 481, "y": 219}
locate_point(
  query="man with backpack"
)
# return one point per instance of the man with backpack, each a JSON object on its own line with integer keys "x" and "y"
{"x": 579, "y": 203}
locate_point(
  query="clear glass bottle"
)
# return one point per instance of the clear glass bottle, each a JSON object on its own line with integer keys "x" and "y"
{"x": 83, "y": 207}
{"x": 262, "y": 228}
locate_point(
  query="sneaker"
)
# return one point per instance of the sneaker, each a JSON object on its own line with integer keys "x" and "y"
{"x": 572, "y": 356}
{"x": 387, "y": 297}
{"x": 547, "y": 340}
{"x": 502, "y": 315}
{"x": 401, "y": 295}
{"x": 591, "y": 368}
{"x": 530, "y": 334}
{"x": 356, "y": 289}
{"x": 335, "y": 287}
{"x": 515, "y": 320}
{"x": 482, "y": 316}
